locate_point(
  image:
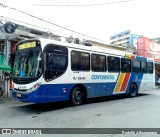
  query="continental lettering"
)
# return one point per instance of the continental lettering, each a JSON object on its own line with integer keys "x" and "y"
{"x": 102, "y": 77}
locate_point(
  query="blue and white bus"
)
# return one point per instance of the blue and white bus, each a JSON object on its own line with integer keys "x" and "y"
{"x": 50, "y": 71}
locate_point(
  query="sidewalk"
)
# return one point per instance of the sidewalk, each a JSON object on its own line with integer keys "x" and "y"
{"x": 9, "y": 101}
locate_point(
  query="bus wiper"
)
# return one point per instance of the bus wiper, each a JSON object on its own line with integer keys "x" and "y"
{"x": 26, "y": 56}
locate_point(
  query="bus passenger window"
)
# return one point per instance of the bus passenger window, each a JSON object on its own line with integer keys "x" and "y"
{"x": 113, "y": 64}
{"x": 136, "y": 66}
{"x": 94, "y": 62}
{"x": 150, "y": 67}
{"x": 125, "y": 65}
{"x": 85, "y": 61}
{"x": 144, "y": 67}
{"x": 80, "y": 61}
{"x": 57, "y": 63}
{"x": 98, "y": 63}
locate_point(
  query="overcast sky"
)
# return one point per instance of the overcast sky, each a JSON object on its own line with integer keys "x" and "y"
{"x": 140, "y": 16}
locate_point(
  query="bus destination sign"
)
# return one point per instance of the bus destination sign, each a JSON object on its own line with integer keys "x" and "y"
{"x": 27, "y": 45}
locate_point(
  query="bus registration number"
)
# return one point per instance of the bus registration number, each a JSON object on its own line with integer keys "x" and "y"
{"x": 18, "y": 95}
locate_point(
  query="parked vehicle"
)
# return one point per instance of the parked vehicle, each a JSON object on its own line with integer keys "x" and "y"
{"x": 50, "y": 71}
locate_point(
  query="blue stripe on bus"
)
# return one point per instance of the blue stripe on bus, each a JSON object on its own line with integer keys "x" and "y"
{"x": 137, "y": 78}
{"x": 54, "y": 92}
{"x": 141, "y": 58}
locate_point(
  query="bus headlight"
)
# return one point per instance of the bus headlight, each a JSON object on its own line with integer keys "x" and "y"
{"x": 36, "y": 86}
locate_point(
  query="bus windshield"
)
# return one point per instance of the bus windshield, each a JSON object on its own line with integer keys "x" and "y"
{"x": 27, "y": 64}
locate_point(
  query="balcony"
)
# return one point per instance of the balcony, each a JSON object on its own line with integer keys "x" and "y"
{"x": 120, "y": 38}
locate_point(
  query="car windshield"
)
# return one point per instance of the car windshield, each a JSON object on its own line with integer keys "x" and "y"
{"x": 27, "y": 64}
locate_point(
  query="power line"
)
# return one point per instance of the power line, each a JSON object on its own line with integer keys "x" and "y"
{"x": 142, "y": 50}
{"x": 59, "y": 32}
{"x": 77, "y": 5}
{"x": 63, "y": 33}
{"x": 7, "y": 19}
{"x": 48, "y": 22}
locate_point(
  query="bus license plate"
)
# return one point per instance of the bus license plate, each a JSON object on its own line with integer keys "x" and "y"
{"x": 18, "y": 95}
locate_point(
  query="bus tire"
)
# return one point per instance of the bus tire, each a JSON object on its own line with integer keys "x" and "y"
{"x": 133, "y": 91}
{"x": 77, "y": 96}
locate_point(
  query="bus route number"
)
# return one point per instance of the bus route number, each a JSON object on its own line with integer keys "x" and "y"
{"x": 79, "y": 78}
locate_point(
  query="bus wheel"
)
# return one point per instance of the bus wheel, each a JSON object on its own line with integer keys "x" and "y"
{"x": 77, "y": 96}
{"x": 133, "y": 90}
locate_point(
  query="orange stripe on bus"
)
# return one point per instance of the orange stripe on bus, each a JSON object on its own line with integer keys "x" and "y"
{"x": 118, "y": 85}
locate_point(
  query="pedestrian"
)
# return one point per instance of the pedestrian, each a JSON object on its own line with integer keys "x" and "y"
{"x": 1, "y": 86}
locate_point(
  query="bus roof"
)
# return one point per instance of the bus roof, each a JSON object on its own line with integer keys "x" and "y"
{"x": 44, "y": 42}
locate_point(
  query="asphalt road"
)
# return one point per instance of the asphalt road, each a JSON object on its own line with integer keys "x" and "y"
{"x": 142, "y": 111}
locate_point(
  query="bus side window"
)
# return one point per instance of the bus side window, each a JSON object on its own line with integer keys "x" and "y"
{"x": 144, "y": 67}
{"x": 75, "y": 61}
{"x": 85, "y": 61}
{"x": 98, "y": 62}
{"x": 102, "y": 63}
{"x": 80, "y": 61}
{"x": 136, "y": 66}
{"x": 150, "y": 67}
{"x": 125, "y": 65}
{"x": 113, "y": 64}
{"x": 94, "y": 62}
{"x": 57, "y": 63}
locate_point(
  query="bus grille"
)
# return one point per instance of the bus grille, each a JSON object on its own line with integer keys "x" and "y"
{"x": 21, "y": 90}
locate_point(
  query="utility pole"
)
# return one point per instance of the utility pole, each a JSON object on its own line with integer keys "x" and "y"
{"x": 7, "y": 51}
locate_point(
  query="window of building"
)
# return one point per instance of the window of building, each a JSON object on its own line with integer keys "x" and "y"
{"x": 98, "y": 62}
{"x": 113, "y": 64}
{"x": 80, "y": 61}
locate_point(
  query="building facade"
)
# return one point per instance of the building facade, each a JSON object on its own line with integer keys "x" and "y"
{"x": 123, "y": 39}
{"x": 148, "y": 48}
{"x": 157, "y": 40}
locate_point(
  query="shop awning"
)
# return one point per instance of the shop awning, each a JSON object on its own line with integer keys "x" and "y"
{"x": 3, "y": 64}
